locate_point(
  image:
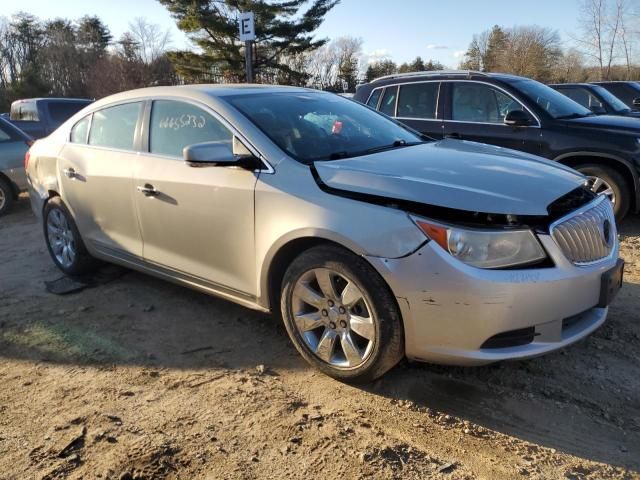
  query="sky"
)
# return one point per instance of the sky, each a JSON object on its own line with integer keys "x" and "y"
{"x": 401, "y": 30}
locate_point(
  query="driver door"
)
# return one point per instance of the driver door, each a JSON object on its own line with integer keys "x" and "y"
{"x": 199, "y": 223}
{"x": 475, "y": 111}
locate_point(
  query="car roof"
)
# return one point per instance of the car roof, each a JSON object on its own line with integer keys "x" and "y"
{"x": 199, "y": 92}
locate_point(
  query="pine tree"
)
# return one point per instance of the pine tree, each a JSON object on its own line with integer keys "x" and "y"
{"x": 284, "y": 29}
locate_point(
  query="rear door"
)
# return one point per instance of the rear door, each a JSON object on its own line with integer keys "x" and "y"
{"x": 625, "y": 92}
{"x": 96, "y": 173}
{"x": 475, "y": 111}
{"x": 418, "y": 107}
{"x": 414, "y": 104}
{"x": 199, "y": 223}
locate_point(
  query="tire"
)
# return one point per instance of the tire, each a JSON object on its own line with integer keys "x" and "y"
{"x": 611, "y": 177}
{"x": 6, "y": 196}
{"x": 370, "y": 317}
{"x": 63, "y": 240}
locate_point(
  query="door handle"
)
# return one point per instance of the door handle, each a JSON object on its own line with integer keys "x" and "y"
{"x": 70, "y": 173}
{"x": 455, "y": 136}
{"x": 147, "y": 190}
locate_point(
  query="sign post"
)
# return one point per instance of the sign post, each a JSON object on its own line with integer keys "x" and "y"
{"x": 247, "y": 35}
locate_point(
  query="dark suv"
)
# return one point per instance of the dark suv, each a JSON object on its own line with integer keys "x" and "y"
{"x": 596, "y": 98}
{"x": 518, "y": 113}
{"x": 628, "y": 92}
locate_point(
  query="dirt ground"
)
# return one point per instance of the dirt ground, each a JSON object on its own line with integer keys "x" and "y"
{"x": 142, "y": 379}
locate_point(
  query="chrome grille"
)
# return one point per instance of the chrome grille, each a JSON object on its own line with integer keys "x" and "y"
{"x": 588, "y": 234}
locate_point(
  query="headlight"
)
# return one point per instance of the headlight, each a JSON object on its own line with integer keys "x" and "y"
{"x": 485, "y": 248}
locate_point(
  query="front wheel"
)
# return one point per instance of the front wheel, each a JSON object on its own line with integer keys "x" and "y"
{"x": 340, "y": 315}
{"x": 607, "y": 181}
{"x": 63, "y": 240}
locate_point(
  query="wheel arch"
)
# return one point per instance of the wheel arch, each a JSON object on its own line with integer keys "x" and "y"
{"x": 12, "y": 186}
{"x": 284, "y": 251}
{"x": 624, "y": 167}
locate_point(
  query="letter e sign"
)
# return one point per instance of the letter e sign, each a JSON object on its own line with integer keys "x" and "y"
{"x": 247, "y": 29}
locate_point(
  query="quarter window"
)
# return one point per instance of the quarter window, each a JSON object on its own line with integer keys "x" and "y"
{"x": 475, "y": 102}
{"x": 375, "y": 96}
{"x": 418, "y": 100}
{"x": 115, "y": 127}
{"x": 79, "y": 131}
{"x": 388, "y": 104}
{"x": 175, "y": 125}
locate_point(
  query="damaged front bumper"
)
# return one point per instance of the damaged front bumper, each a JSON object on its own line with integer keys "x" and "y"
{"x": 460, "y": 315}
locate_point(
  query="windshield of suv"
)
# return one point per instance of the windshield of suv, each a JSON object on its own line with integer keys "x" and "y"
{"x": 618, "y": 105}
{"x": 550, "y": 100}
{"x": 312, "y": 126}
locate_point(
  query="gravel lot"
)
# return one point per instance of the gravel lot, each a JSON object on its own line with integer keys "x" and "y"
{"x": 142, "y": 379}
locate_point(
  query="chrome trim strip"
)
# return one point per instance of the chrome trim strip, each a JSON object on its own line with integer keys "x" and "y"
{"x": 497, "y": 87}
{"x": 178, "y": 276}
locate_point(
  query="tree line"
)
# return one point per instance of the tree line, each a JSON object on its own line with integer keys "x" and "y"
{"x": 81, "y": 57}
{"x": 604, "y": 48}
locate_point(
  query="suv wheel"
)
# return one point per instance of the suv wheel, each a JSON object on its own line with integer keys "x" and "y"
{"x": 607, "y": 181}
{"x": 63, "y": 240}
{"x": 340, "y": 315}
{"x": 6, "y": 196}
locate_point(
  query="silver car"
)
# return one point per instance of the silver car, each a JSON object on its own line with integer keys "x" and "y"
{"x": 370, "y": 241}
{"x": 14, "y": 144}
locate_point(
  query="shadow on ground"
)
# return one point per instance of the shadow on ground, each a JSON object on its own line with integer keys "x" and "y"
{"x": 582, "y": 400}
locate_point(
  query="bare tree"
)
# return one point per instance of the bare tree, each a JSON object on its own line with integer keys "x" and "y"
{"x": 601, "y": 24}
{"x": 152, "y": 42}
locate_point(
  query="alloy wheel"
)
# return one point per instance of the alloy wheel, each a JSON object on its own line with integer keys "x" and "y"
{"x": 601, "y": 187}
{"x": 60, "y": 238}
{"x": 3, "y": 198}
{"x": 333, "y": 317}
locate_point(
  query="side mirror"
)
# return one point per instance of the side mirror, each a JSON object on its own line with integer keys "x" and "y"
{"x": 517, "y": 118}
{"x": 221, "y": 154}
{"x": 598, "y": 109}
{"x": 636, "y": 102}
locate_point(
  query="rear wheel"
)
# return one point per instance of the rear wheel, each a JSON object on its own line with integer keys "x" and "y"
{"x": 63, "y": 240}
{"x": 340, "y": 315}
{"x": 6, "y": 196}
{"x": 607, "y": 181}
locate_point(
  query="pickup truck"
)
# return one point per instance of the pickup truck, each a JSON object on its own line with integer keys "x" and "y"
{"x": 38, "y": 117}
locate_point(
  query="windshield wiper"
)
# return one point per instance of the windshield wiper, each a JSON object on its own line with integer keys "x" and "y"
{"x": 575, "y": 115}
{"x": 396, "y": 144}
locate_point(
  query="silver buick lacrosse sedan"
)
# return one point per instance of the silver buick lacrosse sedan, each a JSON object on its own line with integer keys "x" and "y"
{"x": 371, "y": 241}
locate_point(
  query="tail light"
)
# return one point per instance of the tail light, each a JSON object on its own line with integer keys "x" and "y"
{"x": 29, "y": 143}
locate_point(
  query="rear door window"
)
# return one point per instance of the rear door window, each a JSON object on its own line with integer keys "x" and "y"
{"x": 388, "y": 104}
{"x": 114, "y": 127}
{"x": 175, "y": 125}
{"x": 418, "y": 100}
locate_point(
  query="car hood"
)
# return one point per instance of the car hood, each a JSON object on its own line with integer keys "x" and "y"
{"x": 455, "y": 174}
{"x": 611, "y": 122}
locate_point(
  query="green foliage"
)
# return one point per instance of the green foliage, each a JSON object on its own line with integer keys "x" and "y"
{"x": 283, "y": 29}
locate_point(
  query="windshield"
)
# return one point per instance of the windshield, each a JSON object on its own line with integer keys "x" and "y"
{"x": 312, "y": 126}
{"x": 551, "y": 101}
{"x": 618, "y": 105}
